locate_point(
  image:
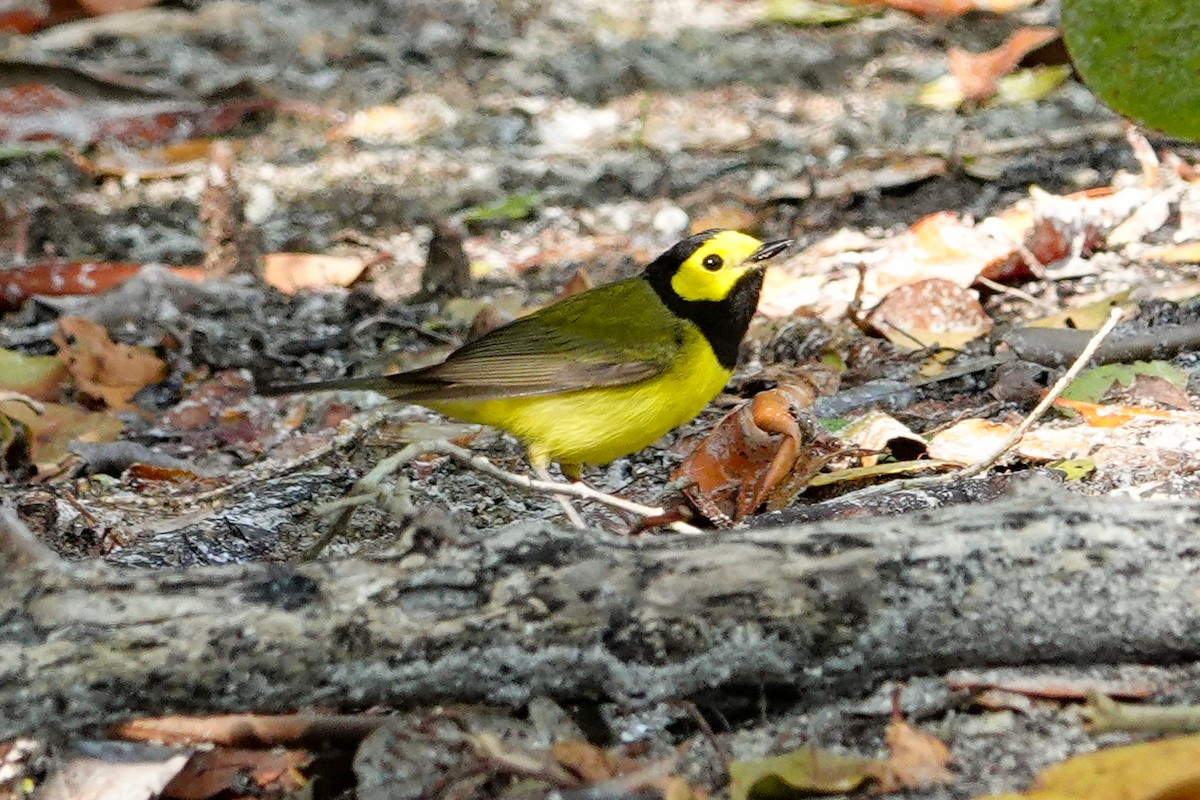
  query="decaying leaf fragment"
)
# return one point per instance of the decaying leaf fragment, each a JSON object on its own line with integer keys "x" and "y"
{"x": 755, "y": 454}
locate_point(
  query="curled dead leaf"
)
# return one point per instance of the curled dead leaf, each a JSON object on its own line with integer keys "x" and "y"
{"x": 756, "y": 455}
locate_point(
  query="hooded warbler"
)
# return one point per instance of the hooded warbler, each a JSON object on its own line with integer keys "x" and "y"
{"x": 603, "y": 373}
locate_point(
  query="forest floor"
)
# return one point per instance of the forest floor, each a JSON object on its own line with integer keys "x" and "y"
{"x": 561, "y": 145}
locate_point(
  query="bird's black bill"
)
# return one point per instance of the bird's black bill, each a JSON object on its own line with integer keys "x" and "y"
{"x": 770, "y": 250}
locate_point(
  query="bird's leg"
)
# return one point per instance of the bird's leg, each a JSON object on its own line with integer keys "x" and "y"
{"x": 540, "y": 469}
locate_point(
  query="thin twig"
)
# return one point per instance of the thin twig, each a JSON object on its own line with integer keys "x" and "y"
{"x": 370, "y": 484}
{"x": 694, "y": 712}
{"x": 1012, "y": 291}
{"x": 1114, "y": 316}
{"x": 1017, "y": 434}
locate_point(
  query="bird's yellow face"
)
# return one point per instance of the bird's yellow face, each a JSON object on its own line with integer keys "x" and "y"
{"x": 714, "y": 269}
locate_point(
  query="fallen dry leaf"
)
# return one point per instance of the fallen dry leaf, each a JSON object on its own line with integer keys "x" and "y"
{"x": 1053, "y": 687}
{"x": 57, "y": 426}
{"x": 99, "y": 8}
{"x": 39, "y": 112}
{"x": 102, "y": 369}
{"x": 408, "y": 121}
{"x": 291, "y": 272}
{"x": 804, "y": 771}
{"x": 39, "y": 377}
{"x": 1168, "y": 769}
{"x": 1115, "y": 416}
{"x": 213, "y": 773}
{"x": 1182, "y": 253}
{"x": 976, "y": 73}
{"x": 882, "y": 433}
{"x": 971, "y": 440}
{"x": 941, "y": 246}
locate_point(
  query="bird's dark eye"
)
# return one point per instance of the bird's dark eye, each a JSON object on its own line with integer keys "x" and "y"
{"x": 713, "y": 262}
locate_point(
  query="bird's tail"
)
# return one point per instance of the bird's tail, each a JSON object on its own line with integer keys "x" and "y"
{"x": 390, "y": 385}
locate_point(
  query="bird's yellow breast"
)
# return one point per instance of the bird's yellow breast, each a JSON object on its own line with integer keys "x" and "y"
{"x": 595, "y": 426}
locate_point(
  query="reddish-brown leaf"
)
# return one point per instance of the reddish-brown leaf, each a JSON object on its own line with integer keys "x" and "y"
{"x": 37, "y": 112}
{"x": 56, "y": 278}
{"x": 213, "y": 773}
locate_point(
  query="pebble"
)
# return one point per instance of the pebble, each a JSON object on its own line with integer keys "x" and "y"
{"x": 670, "y": 221}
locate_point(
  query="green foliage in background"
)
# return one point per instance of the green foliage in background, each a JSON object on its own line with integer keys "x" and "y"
{"x": 1141, "y": 57}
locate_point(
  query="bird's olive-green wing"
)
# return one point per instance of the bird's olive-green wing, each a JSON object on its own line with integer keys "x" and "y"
{"x": 612, "y": 335}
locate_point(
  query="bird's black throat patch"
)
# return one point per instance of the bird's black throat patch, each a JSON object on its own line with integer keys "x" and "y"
{"x": 723, "y": 322}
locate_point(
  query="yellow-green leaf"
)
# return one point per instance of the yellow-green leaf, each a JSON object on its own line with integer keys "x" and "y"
{"x": 802, "y": 772}
{"x": 807, "y": 13}
{"x": 35, "y": 376}
{"x": 1028, "y": 85}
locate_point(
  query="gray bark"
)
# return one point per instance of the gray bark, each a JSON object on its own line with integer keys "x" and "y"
{"x": 1044, "y": 576}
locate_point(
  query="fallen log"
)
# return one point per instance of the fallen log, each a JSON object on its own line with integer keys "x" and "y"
{"x": 831, "y": 608}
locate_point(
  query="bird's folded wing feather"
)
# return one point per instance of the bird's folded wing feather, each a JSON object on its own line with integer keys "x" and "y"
{"x": 566, "y": 347}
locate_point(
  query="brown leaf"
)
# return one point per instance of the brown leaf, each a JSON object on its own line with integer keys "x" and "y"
{"x": 210, "y": 773}
{"x": 580, "y": 281}
{"x": 39, "y": 112}
{"x": 940, "y": 245}
{"x": 977, "y": 73}
{"x": 104, "y": 370}
{"x": 99, "y": 8}
{"x": 917, "y": 759}
{"x": 57, "y": 426}
{"x": 930, "y": 313}
{"x": 584, "y": 760}
{"x": 166, "y": 161}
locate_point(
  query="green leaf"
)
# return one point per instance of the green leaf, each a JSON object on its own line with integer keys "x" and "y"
{"x": 513, "y": 207}
{"x": 1141, "y": 57}
{"x": 1074, "y": 469}
{"x": 1093, "y": 384}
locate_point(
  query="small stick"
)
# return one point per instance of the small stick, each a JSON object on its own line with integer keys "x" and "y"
{"x": 1060, "y": 386}
{"x": 370, "y": 482}
{"x": 1012, "y": 291}
{"x": 1102, "y": 714}
{"x": 1009, "y": 443}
